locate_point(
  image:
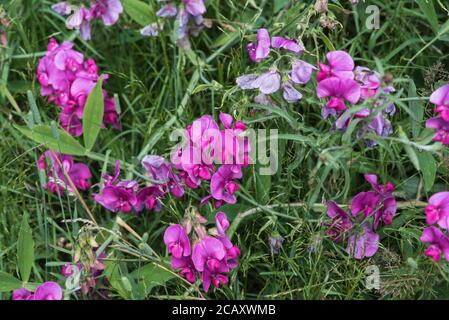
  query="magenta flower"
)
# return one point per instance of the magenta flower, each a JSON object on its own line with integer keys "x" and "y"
{"x": 149, "y": 197}
{"x": 441, "y": 98}
{"x": 268, "y": 82}
{"x": 439, "y": 243}
{"x": 46, "y": 291}
{"x": 117, "y": 199}
{"x": 369, "y": 82}
{"x": 157, "y": 167}
{"x": 339, "y": 91}
{"x": 301, "y": 72}
{"x": 441, "y": 129}
{"x": 222, "y": 185}
{"x": 108, "y": 10}
{"x": 195, "y": 7}
{"x": 185, "y": 267}
{"x": 341, "y": 221}
{"x": 287, "y": 44}
{"x": 363, "y": 244}
{"x": 177, "y": 241}
{"x": 58, "y": 167}
{"x": 437, "y": 211}
{"x": 261, "y": 49}
{"x": 340, "y": 65}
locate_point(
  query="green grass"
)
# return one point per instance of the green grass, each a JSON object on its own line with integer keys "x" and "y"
{"x": 155, "y": 82}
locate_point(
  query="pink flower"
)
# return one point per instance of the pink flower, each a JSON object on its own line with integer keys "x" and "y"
{"x": 177, "y": 241}
{"x": 340, "y": 65}
{"x": 437, "y": 211}
{"x": 222, "y": 186}
{"x": 441, "y": 129}
{"x": 363, "y": 244}
{"x": 287, "y": 44}
{"x": 149, "y": 197}
{"x": 185, "y": 267}
{"x": 339, "y": 90}
{"x": 58, "y": 167}
{"x": 169, "y": 10}
{"x": 341, "y": 221}
{"x": 369, "y": 82}
{"x": 108, "y": 10}
{"x": 441, "y": 98}
{"x": 261, "y": 49}
{"x": 439, "y": 243}
{"x": 46, "y": 291}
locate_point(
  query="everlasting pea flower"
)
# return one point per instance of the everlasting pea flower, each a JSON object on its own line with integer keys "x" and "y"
{"x": 261, "y": 49}
{"x": 115, "y": 199}
{"x": 246, "y": 81}
{"x": 157, "y": 167}
{"x": 48, "y": 291}
{"x": 62, "y": 8}
{"x": 186, "y": 267}
{"x": 437, "y": 211}
{"x": 290, "y": 94}
{"x": 441, "y": 129}
{"x": 149, "y": 197}
{"x": 195, "y": 7}
{"x": 439, "y": 243}
{"x": 341, "y": 221}
{"x": 222, "y": 185}
{"x": 151, "y": 30}
{"x": 108, "y": 10}
{"x": 364, "y": 244}
{"x": 369, "y": 81}
{"x": 268, "y": 82}
{"x": 22, "y": 294}
{"x": 58, "y": 166}
{"x": 340, "y": 65}
{"x": 177, "y": 241}
{"x": 81, "y": 20}
{"x": 441, "y": 98}
{"x": 301, "y": 72}
{"x": 339, "y": 91}
{"x": 169, "y": 10}
{"x": 287, "y": 44}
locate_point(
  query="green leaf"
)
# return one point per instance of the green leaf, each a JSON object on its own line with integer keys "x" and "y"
{"x": 64, "y": 143}
{"x": 113, "y": 274}
{"x": 262, "y": 185}
{"x": 93, "y": 115}
{"x": 428, "y": 9}
{"x": 25, "y": 250}
{"x": 139, "y": 11}
{"x": 8, "y": 282}
{"x": 417, "y": 111}
{"x": 411, "y": 152}
{"x": 428, "y": 169}
{"x": 153, "y": 274}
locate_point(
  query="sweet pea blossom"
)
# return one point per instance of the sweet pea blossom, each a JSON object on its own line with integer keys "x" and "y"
{"x": 287, "y": 44}
{"x": 338, "y": 90}
{"x": 195, "y": 7}
{"x": 369, "y": 81}
{"x": 177, "y": 241}
{"x": 290, "y": 94}
{"x": 441, "y": 129}
{"x": 363, "y": 244}
{"x": 108, "y": 10}
{"x": 439, "y": 243}
{"x": 67, "y": 80}
{"x": 46, "y": 291}
{"x": 268, "y": 82}
{"x": 223, "y": 186}
{"x": 261, "y": 49}
{"x": 441, "y": 98}
{"x": 341, "y": 221}
{"x": 59, "y": 168}
{"x": 340, "y": 65}
{"x": 437, "y": 211}
{"x": 301, "y": 72}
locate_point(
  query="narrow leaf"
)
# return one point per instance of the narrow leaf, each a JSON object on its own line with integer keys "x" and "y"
{"x": 43, "y": 134}
{"x": 25, "y": 250}
{"x": 93, "y": 115}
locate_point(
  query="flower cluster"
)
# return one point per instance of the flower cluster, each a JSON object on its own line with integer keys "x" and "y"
{"x": 276, "y": 78}
{"x": 215, "y": 155}
{"x": 189, "y": 20}
{"x": 206, "y": 256}
{"x": 46, "y": 291}
{"x": 66, "y": 79}
{"x": 440, "y": 123}
{"x": 60, "y": 168}
{"x": 127, "y": 196}
{"x": 340, "y": 83}
{"x": 360, "y": 226}
{"x": 437, "y": 212}
{"x": 82, "y": 17}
